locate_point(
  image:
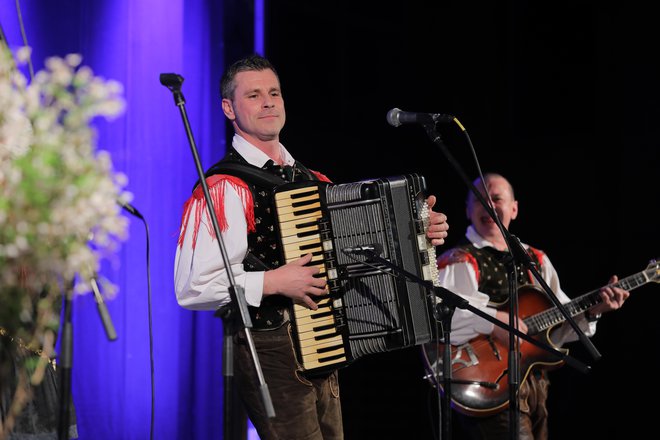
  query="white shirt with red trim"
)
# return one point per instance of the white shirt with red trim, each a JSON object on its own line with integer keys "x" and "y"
{"x": 200, "y": 274}
{"x": 461, "y": 279}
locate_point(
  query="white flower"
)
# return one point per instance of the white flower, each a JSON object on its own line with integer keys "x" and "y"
{"x": 57, "y": 189}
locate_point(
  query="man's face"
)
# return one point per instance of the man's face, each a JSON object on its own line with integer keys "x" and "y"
{"x": 499, "y": 191}
{"x": 257, "y": 108}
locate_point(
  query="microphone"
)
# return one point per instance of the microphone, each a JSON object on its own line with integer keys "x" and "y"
{"x": 103, "y": 312}
{"x": 374, "y": 248}
{"x": 130, "y": 208}
{"x": 397, "y": 117}
{"x": 172, "y": 81}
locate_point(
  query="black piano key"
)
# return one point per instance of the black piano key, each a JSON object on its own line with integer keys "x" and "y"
{"x": 306, "y": 224}
{"x": 305, "y": 211}
{"x": 309, "y": 246}
{"x": 304, "y": 203}
{"x": 324, "y": 327}
{"x": 332, "y": 358}
{"x": 299, "y": 195}
{"x": 319, "y": 316}
{"x": 330, "y": 348}
{"x": 327, "y": 336}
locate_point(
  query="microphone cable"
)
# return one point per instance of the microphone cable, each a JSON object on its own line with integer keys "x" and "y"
{"x": 24, "y": 37}
{"x": 133, "y": 211}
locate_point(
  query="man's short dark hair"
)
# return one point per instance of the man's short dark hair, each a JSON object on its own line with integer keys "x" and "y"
{"x": 254, "y": 62}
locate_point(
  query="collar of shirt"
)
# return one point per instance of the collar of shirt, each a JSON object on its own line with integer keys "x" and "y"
{"x": 254, "y": 155}
{"x": 478, "y": 241}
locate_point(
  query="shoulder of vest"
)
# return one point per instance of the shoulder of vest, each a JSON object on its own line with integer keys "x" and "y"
{"x": 454, "y": 256}
{"x": 539, "y": 254}
{"x": 249, "y": 173}
{"x": 320, "y": 176}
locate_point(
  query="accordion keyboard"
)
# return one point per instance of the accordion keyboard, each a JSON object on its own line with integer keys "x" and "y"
{"x": 299, "y": 213}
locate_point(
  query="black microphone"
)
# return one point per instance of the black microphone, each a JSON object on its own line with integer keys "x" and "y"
{"x": 368, "y": 249}
{"x": 397, "y": 117}
{"x": 103, "y": 311}
{"x": 172, "y": 81}
{"x": 130, "y": 208}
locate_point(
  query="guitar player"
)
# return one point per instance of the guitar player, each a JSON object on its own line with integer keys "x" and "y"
{"x": 475, "y": 270}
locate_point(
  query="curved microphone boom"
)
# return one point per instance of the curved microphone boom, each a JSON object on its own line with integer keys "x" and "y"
{"x": 130, "y": 208}
{"x": 397, "y": 117}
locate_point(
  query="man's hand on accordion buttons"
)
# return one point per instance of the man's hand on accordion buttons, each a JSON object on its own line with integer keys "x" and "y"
{"x": 438, "y": 226}
{"x": 296, "y": 281}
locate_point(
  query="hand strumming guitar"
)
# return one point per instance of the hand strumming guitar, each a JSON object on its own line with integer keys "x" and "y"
{"x": 501, "y": 335}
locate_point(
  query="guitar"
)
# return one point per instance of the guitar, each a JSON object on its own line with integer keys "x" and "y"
{"x": 479, "y": 367}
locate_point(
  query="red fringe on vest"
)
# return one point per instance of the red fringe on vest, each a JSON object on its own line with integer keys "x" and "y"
{"x": 320, "y": 176}
{"x": 217, "y": 185}
{"x": 458, "y": 255}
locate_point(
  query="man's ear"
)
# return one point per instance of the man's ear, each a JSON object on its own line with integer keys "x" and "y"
{"x": 514, "y": 210}
{"x": 228, "y": 109}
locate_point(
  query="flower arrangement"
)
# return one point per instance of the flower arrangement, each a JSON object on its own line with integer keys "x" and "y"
{"x": 59, "y": 216}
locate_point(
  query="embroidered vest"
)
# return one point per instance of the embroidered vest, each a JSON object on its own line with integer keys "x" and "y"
{"x": 492, "y": 270}
{"x": 263, "y": 243}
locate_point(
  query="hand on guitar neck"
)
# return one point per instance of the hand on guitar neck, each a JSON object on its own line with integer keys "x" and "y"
{"x": 612, "y": 297}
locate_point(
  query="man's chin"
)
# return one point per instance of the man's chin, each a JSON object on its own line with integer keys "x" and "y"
{"x": 487, "y": 229}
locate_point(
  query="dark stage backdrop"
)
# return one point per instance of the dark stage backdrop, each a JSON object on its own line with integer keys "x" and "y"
{"x": 562, "y": 98}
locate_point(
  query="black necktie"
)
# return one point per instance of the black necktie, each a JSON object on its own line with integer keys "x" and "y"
{"x": 286, "y": 172}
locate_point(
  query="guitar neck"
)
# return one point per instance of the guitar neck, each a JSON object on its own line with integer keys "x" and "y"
{"x": 553, "y": 316}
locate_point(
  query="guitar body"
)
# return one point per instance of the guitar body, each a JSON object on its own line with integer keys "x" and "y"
{"x": 485, "y": 360}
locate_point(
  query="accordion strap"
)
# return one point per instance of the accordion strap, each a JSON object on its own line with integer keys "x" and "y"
{"x": 247, "y": 172}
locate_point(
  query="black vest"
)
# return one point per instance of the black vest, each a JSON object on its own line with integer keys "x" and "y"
{"x": 492, "y": 270}
{"x": 263, "y": 243}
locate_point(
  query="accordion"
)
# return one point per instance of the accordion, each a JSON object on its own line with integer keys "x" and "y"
{"x": 369, "y": 307}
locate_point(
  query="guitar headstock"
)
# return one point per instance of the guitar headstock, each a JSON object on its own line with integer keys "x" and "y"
{"x": 653, "y": 271}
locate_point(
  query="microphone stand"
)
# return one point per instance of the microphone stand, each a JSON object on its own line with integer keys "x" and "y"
{"x": 518, "y": 253}
{"x": 3, "y": 37}
{"x": 66, "y": 357}
{"x": 446, "y": 313}
{"x": 514, "y": 351}
{"x": 237, "y": 314}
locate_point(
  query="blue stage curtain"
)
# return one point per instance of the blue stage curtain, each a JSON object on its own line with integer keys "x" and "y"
{"x": 133, "y": 42}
